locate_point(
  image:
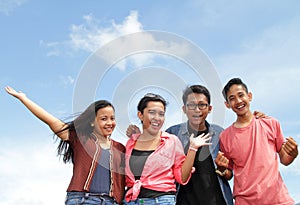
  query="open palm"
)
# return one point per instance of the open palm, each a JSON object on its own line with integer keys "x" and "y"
{"x": 14, "y": 93}
{"x": 200, "y": 140}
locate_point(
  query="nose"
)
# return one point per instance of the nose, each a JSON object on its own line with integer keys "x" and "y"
{"x": 238, "y": 100}
{"x": 197, "y": 108}
{"x": 110, "y": 121}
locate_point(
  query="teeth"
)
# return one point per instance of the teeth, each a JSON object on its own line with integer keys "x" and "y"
{"x": 154, "y": 124}
{"x": 241, "y": 106}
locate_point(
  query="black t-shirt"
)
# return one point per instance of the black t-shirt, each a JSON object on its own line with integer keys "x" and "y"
{"x": 137, "y": 162}
{"x": 203, "y": 187}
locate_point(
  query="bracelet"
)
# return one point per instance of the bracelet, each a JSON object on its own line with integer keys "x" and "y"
{"x": 193, "y": 149}
{"x": 221, "y": 173}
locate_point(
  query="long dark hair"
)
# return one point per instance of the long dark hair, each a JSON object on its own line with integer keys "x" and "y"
{"x": 82, "y": 126}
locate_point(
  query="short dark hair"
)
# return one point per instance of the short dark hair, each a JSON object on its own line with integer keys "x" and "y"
{"x": 149, "y": 97}
{"x": 231, "y": 82}
{"x": 200, "y": 89}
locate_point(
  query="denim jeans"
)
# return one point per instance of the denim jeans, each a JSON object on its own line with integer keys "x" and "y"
{"x": 161, "y": 200}
{"x": 81, "y": 198}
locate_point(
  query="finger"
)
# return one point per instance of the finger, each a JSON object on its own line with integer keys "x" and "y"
{"x": 290, "y": 145}
{"x": 204, "y": 137}
{"x": 291, "y": 141}
{"x": 192, "y": 135}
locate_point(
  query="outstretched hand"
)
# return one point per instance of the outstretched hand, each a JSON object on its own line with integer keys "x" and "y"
{"x": 14, "y": 93}
{"x": 200, "y": 140}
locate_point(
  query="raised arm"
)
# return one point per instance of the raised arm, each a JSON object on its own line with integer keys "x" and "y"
{"x": 288, "y": 151}
{"x": 55, "y": 124}
{"x": 195, "y": 144}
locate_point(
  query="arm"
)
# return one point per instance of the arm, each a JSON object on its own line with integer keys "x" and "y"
{"x": 195, "y": 144}
{"x": 222, "y": 169}
{"x": 55, "y": 124}
{"x": 288, "y": 151}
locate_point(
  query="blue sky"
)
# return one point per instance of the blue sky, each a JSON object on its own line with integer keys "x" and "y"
{"x": 47, "y": 47}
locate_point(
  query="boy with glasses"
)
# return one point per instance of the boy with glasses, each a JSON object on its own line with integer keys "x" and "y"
{"x": 205, "y": 186}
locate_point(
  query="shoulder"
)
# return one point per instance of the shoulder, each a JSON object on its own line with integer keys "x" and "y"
{"x": 269, "y": 121}
{"x": 168, "y": 136}
{"x": 118, "y": 145}
{"x": 225, "y": 132}
{"x": 216, "y": 127}
{"x": 175, "y": 127}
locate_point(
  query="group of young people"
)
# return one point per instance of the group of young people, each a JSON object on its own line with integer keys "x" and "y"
{"x": 189, "y": 163}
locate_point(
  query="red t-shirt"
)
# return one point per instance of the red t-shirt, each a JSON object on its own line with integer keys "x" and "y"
{"x": 252, "y": 153}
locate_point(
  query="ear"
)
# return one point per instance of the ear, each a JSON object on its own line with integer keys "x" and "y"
{"x": 184, "y": 109}
{"x": 250, "y": 96}
{"x": 140, "y": 115}
{"x": 227, "y": 104}
{"x": 210, "y": 108}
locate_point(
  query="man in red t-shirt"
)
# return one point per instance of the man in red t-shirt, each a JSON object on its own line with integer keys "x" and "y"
{"x": 249, "y": 147}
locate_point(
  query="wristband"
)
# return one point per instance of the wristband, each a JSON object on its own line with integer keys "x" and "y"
{"x": 193, "y": 149}
{"x": 221, "y": 173}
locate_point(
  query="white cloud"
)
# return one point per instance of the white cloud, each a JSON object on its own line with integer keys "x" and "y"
{"x": 268, "y": 62}
{"x": 32, "y": 174}
{"x": 92, "y": 34}
{"x": 7, "y": 6}
{"x": 67, "y": 80}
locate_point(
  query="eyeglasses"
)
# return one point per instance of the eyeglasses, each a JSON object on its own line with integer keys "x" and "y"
{"x": 201, "y": 106}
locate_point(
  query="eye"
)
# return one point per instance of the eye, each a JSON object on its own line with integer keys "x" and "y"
{"x": 161, "y": 114}
{"x": 152, "y": 112}
{"x": 231, "y": 98}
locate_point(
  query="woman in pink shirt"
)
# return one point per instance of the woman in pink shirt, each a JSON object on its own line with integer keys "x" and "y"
{"x": 155, "y": 159}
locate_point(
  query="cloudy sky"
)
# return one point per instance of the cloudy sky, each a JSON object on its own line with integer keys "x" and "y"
{"x": 65, "y": 54}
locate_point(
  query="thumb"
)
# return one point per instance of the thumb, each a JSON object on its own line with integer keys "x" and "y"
{"x": 220, "y": 153}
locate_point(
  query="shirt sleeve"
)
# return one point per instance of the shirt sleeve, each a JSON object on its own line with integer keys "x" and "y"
{"x": 279, "y": 138}
{"x": 224, "y": 150}
{"x": 178, "y": 162}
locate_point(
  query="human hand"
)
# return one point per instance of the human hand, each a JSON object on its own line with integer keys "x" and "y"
{"x": 259, "y": 114}
{"x": 132, "y": 129}
{"x": 221, "y": 161}
{"x": 199, "y": 141}
{"x": 290, "y": 147}
{"x": 14, "y": 93}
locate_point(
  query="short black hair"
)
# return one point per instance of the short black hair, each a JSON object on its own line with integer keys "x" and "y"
{"x": 200, "y": 89}
{"x": 231, "y": 82}
{"x": 150, "y": 97}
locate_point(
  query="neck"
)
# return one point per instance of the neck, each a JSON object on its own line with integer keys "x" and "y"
{"x": 147, "y": 136}
{"x": 100, "y": 137}
{"x": 243, "y": 120}
{"x": 200, "y": 127}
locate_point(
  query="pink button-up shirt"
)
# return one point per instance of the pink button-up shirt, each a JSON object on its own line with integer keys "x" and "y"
{"x": 161, "y": 169}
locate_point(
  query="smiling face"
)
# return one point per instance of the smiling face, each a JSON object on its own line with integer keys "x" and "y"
{"x": 153, "y": 117}
{"x": 105, "y": 121}
{"x": 238, "y": 100}
{"x": 197, "y": 115}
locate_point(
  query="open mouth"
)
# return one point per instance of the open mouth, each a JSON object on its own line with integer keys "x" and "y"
{"x": 240, "y": 107}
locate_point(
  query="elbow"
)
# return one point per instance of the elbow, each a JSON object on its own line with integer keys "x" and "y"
{"x": 184, "y": 180}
